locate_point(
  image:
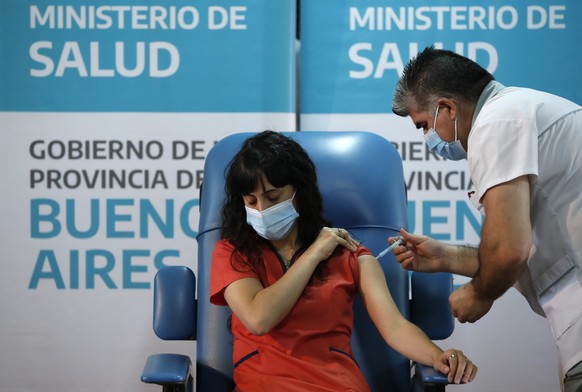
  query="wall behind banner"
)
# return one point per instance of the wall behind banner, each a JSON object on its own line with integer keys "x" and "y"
{"x": 352, "y": 54}
{"x": 107, "y": 112}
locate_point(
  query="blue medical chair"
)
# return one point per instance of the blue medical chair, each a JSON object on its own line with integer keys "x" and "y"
{"x": 361, "y": 179}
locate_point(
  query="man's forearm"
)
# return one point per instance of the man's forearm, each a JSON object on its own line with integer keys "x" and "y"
{"x": 463, "y": 260}
{"x": 496, "y": 275}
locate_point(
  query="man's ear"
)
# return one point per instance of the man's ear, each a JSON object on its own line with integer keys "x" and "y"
{"x": 448, "y": 107}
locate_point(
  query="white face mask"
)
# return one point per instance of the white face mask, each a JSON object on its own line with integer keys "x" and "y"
{"x": 453, "y": 151}
{"x": 275, "y": 222}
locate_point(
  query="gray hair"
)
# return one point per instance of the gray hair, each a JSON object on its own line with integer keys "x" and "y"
{"x": 438, "y": 73}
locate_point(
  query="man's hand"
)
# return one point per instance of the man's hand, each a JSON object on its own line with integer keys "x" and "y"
{"x": 467, "y": 306}
{"x": 424, "y": 254}
{"x": 419, "y": 253}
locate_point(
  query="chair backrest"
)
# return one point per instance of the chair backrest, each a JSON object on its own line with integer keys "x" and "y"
{"x": 361, "y": 179}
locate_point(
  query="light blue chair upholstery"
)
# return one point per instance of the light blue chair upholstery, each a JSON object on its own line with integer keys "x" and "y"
{"x": 361, "y": 179}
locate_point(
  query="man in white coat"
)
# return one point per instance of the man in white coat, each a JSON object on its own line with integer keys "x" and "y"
{"x": 524, "y": 149}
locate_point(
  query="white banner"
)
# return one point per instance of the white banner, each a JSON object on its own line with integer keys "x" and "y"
{"x": 107, "y": 112}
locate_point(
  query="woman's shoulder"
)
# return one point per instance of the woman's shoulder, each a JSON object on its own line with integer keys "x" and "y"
{"x": 347, "y": 255}
{"x": 350, "y": 258}
{"x": 362, "y": 250}
{"x": 224, "y": 244}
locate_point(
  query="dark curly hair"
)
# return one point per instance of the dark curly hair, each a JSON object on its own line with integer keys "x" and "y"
{"x": 283, "y": 162}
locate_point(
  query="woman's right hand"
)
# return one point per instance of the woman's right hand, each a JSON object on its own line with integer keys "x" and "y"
{"x": 328, "y": 239}
{"x": 458, "y": 368}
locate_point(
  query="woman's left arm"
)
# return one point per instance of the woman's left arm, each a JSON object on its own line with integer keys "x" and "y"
{"x": 401, "y": 334}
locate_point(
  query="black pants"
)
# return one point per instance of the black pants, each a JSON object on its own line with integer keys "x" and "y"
{"x": 573, "y": 379}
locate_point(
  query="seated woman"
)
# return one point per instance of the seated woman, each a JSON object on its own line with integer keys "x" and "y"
{"x": 290, "y": 281}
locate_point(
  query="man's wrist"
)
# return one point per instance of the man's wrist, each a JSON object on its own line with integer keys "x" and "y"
{"x": 461, "y": 260}
{"x": 482, "y": 292}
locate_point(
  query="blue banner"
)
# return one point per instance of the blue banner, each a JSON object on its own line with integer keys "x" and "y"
{"x": 173, "y": 56}
{"x": 353, "y": 51}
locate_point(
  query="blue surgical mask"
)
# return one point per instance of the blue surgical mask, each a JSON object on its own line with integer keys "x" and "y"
{"x": 275, "y": 222}
{"x": 453, "y": 151}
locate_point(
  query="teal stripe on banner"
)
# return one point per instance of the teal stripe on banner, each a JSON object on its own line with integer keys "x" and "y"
{"x": 353, "y": 51}
{"x": 170, "y": 56}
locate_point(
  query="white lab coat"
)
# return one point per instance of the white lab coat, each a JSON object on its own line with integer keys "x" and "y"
{"x": 516, "y": 132}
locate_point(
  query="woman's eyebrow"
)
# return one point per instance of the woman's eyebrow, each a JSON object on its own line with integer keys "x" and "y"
{"x": 267, "y": 191}
{"x": 264, "y": 193}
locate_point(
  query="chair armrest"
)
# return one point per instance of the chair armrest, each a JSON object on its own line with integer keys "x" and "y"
{"x": 175, "y": 303}
{"x": 166, "y": 369}
{"x": 430, "y": 376}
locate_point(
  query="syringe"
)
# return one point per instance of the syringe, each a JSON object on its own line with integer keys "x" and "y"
{"x": 388, "y": 249}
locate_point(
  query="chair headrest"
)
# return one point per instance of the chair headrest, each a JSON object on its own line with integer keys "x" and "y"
{"x": 359, "y": 173}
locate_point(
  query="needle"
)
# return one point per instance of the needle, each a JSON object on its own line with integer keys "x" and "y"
{"x": 388, "y": 249}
